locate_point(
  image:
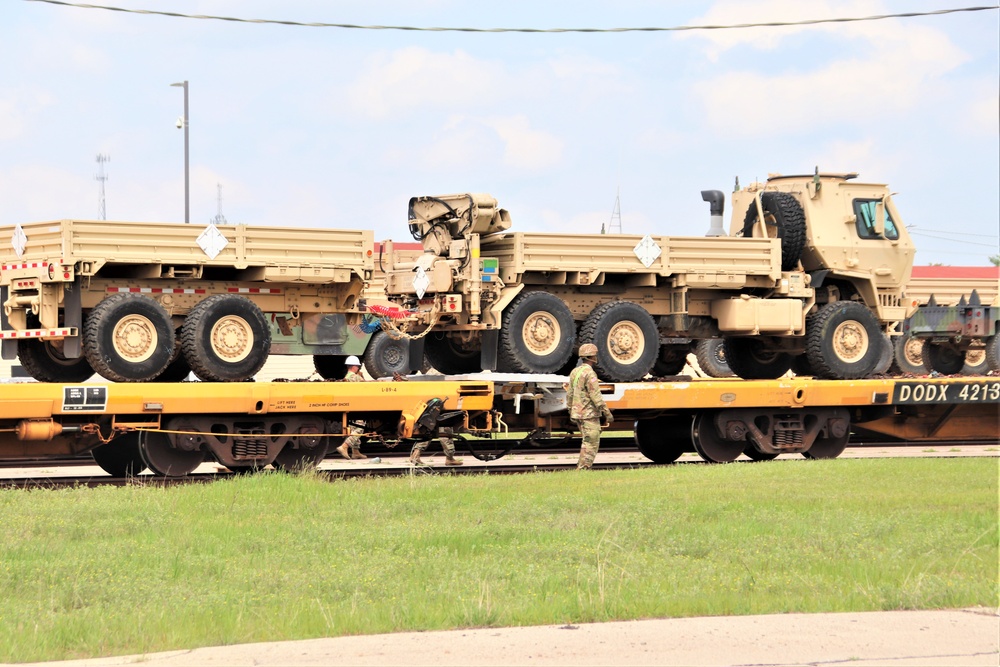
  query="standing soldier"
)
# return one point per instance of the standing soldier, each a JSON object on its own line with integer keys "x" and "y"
{"x": 587, "y": 408}
{"x": 351, "y": 447}
{"x": 445, "y": 435}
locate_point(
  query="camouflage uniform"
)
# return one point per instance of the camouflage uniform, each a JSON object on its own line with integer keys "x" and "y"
{"x": 445, "y": 436}
{"x": 351, "y": 447}
{"x": 586, "y": 410}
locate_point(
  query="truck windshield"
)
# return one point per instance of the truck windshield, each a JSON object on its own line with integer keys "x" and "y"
{"x": 864, "y": 209}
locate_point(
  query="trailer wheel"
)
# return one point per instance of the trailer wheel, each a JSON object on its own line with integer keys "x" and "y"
{"x": 784, "y": 219}
{"x": 975, "y": 361}
{"x": 448, "y": 358}
{"x": 750, "y": 359}
{"x": 943, "y": 359}
{"x": 908, "y": 354}
{"x": 711, "y": 355}
{"x": 537, "y": 335}
{"x": 386, "y": 355}
{"x": 843, "y": 341}
{"x": 627, "y": 340}
{"x": 120, "y": 457}
{"x": 663, "y": 439}
{"x": 225, "y": 338}
{"x": 128, "y": 338}
{"x": 43, "y": 360}
{"x": 993, "y": 353}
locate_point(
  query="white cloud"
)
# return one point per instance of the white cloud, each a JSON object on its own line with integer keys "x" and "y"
{"x": 524, "y": 147}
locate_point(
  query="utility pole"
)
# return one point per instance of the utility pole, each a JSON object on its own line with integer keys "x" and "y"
{"x": 102, "y": 212}
{"x": 183, "y": 122}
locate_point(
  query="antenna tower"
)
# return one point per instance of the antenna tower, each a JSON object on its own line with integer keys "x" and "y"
{"x": 102, "y": 213}
{"x": 615, "y": 226}
{"x": 219, "y": 219}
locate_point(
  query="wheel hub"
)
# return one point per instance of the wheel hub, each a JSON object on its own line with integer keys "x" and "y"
{"x": 232, "y": 338}
{"x": 134, "y": 338}
{"x": 850, "y": 341}
{"x": 541, "y": 333}
{"x": 913, "y": 351}
{"x": 626, "y": 342}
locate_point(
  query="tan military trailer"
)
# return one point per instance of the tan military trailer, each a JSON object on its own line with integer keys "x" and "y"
{"x": 152, "y": 301}
{"x": 812, "y": 272}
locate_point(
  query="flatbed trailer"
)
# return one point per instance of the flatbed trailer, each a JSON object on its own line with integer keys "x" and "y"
{"x": 172, "y": 428}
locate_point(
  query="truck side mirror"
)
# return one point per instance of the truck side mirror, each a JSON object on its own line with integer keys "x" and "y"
{"x": 880, "y": 219}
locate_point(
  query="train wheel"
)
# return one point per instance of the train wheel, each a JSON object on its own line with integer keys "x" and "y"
{"x": 538, "y": 334}
{"x": 225, "y": 338}
{"x": 843, "y": 341}
{"x": 944, "y": 359}
{"x": 827, "y": 448}
{"x": 120, "y": 457}
{"x": 711, "y": 355}
{"x": 302, "y": 457}
{"x": 663, "y": 439}
{"x": 709, "y": 445}
{"x": 627, "y": 340}
{"x": 386, "y": 355}
{"x": 750, "y": 359}
{"x": 755, "y": 454}
{"x": 908, "y": 354}
{"x": 128, "y": 338}
{"x": 165, "y": 460}
{"x": 448, "y": 358}
{"x": 43, "y": 360}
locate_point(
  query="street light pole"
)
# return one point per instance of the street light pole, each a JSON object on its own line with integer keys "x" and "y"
{"x": 183, "y": 122}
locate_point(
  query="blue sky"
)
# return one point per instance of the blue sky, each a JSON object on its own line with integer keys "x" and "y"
{"x": 330, "y": 127}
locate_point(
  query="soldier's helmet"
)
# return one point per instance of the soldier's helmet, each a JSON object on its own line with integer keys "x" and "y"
{"x": 352, "y": 361}
{"x": 588, "y": 350}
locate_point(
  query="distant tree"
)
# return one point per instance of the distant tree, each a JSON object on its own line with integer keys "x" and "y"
{"x": 995, "y": 260}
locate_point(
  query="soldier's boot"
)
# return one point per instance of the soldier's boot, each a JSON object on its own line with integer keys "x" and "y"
{"x": 356, "y": 454}
{"x": 450, "y": 460}
{"x": 344, "y": 451}
{"x": 415, "y": 457}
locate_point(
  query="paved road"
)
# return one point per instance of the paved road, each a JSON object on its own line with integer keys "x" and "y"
{"x": 952, "y": 638}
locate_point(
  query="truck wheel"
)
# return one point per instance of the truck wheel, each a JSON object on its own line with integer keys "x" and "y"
{"x": 750, "y": 359}
{"x": 44, "y": 361}
{"x": 386, "y": 355}
{"x": 128, "y": 338}
{"x": 448, "y": 358}
{"x": 944, "y": 359}
{"x": 663, "y": 439}
{"x": 178, "y": 370}
{"x": 975, "y": 361}
{"x": 843, "y": 341}
{"x": 993, "y": 353}
{"x": 784, "y": 219}
{"x": 908, "y": 354}
{"x": 670, "y": 360}
{"x": 537, "y": 335}
{"x": 225, "y": 338}
{"x": 884, "y": 356}
{"x": 627, "y": 340}
{"x": 330, "y": 366}
{"x": 711, "y": 355}
{"x": 801, "y": 367}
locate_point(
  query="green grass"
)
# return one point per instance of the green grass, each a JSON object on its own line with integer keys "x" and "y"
{"x": 95, "y": 572}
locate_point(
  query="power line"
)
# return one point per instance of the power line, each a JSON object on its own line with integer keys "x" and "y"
{"x": 945, "y": 238}
{"x": 922, "y": 229}
{"x": 679, "y": 28}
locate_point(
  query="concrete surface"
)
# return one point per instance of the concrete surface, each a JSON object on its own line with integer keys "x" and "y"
{"x": 950, "y": 638}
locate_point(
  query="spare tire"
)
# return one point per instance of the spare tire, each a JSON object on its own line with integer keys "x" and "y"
{"x": 785, "y": 220}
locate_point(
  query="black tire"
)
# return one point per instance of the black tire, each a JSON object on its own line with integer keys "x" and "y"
{"x": 993, "y": 353}
{"x": 386, "y": 355}
{"x": 750, "y": 359}
{"x": 711, "y": 355}
{"x": 663, "y": 439}
{"x": 884, "y": 356}
{"x": 225, "y": 338}
{"x": 801, "y": 367}
{"x": 627, "y": 341}
{"x": 537, "y": 336}
{"x": 908, "y": 355}
{"x": 843, "y": 341}
{"x": 178, "y": 370}
{"x": 943, "y": 359}
{"x": 330, "y": 366}
{"x": 785, "y": 220}
{"x": 44, "y": 362}
{"x": 449, "y": 359}
{"x": 976, "y": 362}
{"x": 121, "y": 456}
{"x": 128, "y": 338}
{"x": 670, "y": 360}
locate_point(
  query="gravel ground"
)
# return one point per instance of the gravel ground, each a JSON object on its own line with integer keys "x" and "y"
{"x": 902, "y": 639}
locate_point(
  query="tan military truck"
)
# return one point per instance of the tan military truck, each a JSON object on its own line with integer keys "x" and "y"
{"x": 152, "y": 301}
{"x": 813, "y": 272}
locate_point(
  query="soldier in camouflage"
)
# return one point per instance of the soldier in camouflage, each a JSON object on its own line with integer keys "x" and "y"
{"x": 587, "y": 408}
{"x": 351, "y": 447}
{"x": 445, "y": 435}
